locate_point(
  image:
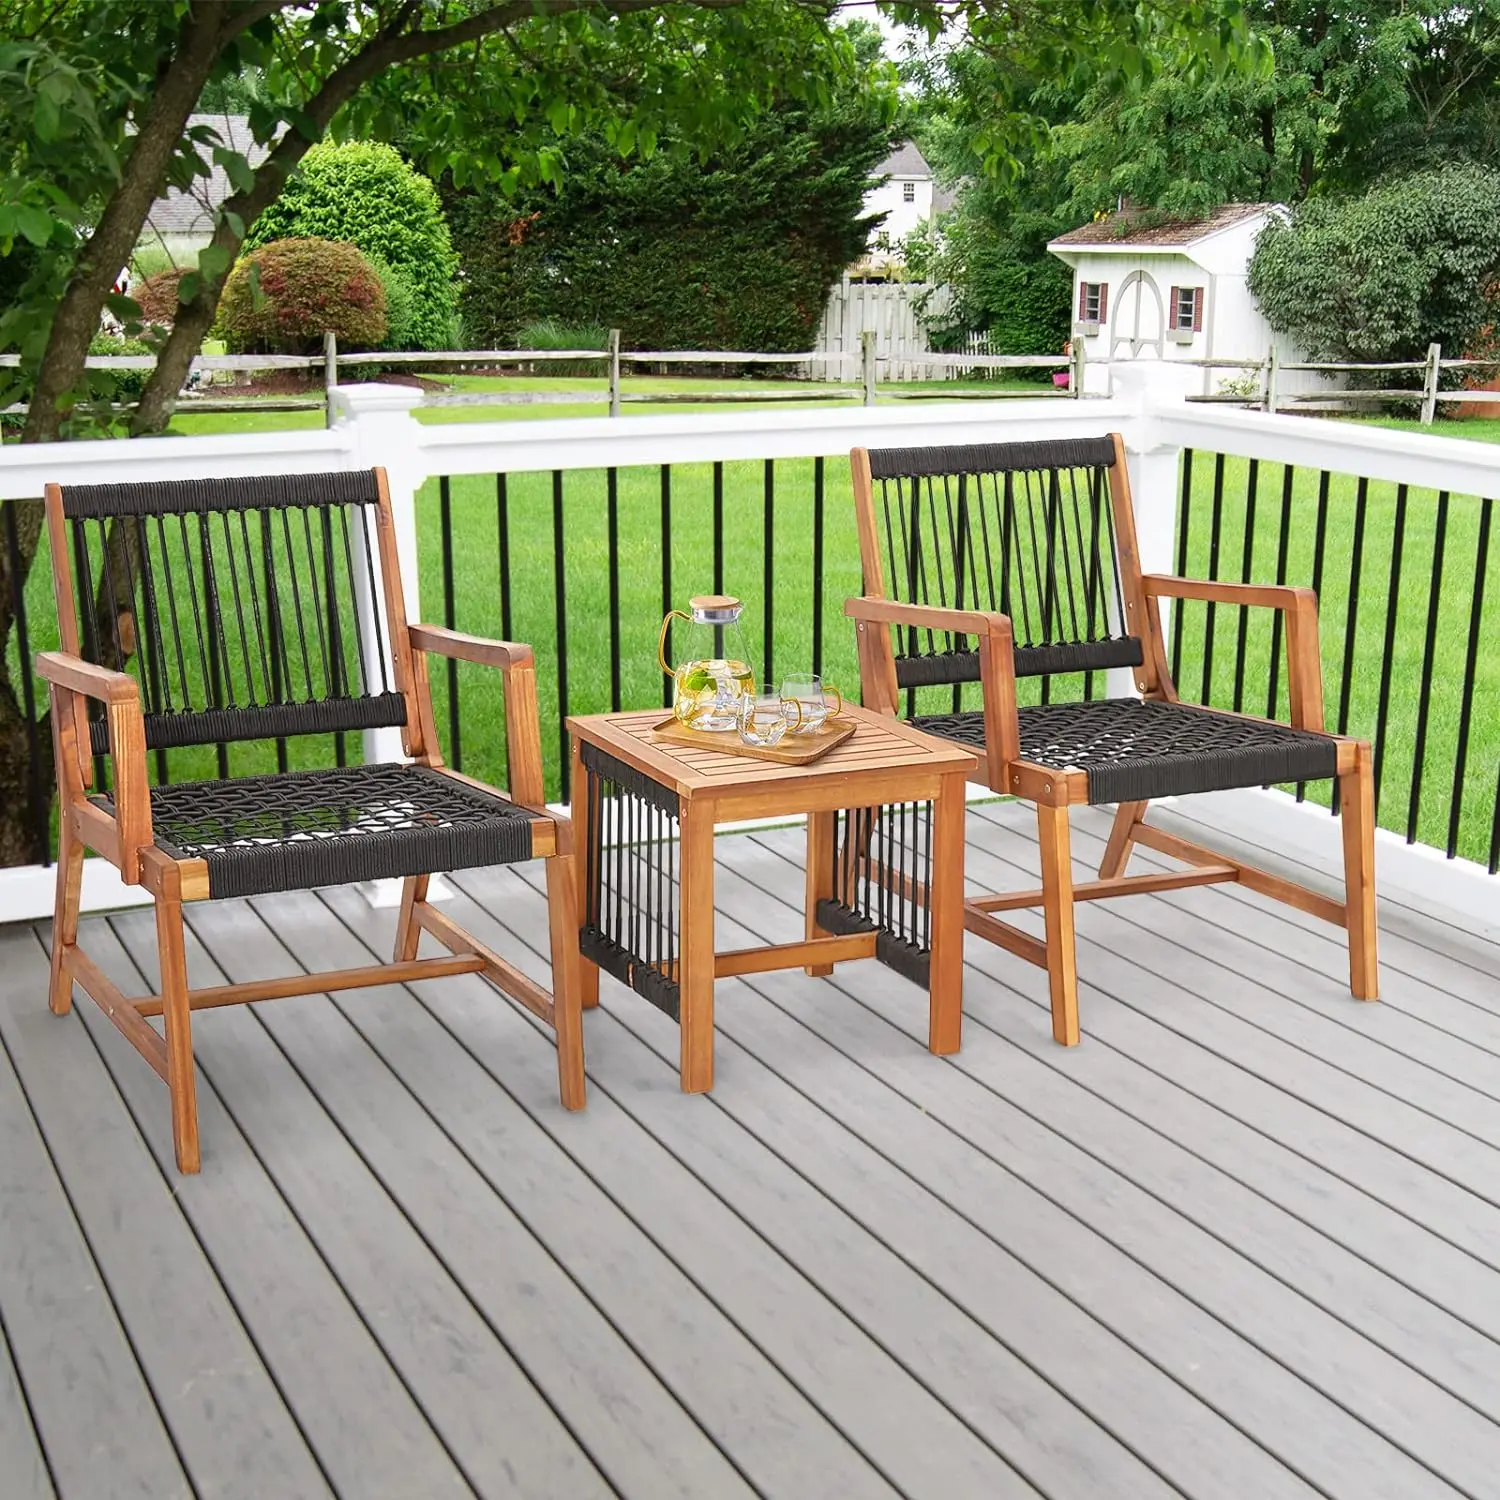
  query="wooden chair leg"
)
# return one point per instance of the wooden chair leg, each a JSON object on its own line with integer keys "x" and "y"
{"x": 567, "y": 981}
{"x": 408, "y": 934}
{"x": 177, "y": 1018}
{"x": 1057, "y": 904}
{"x": 819, "y": 881}
{"x": 583, "y": 813}
{"x": 65, "y": 915}
{"x": 1357, "y": 815}
{"x": 1121, "y": 839}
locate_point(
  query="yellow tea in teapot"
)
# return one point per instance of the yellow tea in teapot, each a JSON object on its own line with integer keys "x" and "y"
{"x": 715, "y": 675}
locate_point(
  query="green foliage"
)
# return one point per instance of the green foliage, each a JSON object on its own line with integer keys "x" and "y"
{"x": 552, "y": 333}
{"x": 128, "y": 384}
{"x": 400, "y": 307}
{"x": 366, "y": 194}
{"x": 1381, "y": 276}
{"x": 733, "y": 249}
{"x": 306, "y": 287}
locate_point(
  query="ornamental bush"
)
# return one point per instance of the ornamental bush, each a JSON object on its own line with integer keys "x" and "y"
{"x": 306, "y": 286}
{"x": 1382, "y": 276}
{"x": 365, "y": 193}
{"x": 157, "y": 297}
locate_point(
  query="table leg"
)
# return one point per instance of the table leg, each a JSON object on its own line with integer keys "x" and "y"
{"x": 585, "y": 869}
{"x": 946, "y": 905}
{"x": 820, "y": 855}
{"x": 696, "y": 970}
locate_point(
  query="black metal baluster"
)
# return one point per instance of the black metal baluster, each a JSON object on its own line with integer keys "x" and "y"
{"x": 1392, "y": 608}
{"x": 1283, "y": 546}
{"x": 39, "y": 805}
{"x": 768, "y": 555}
{"x": 1320, "y": 548}
{"x": 666, "y": 568}
{"x": 502, "y": 531}
{"x": 1471, "y": 670}
{"x": 445, "y": 531}
{"x": 1215, "y": 533}
{"x": 612, "y": 523}
{"x": 560, "y": 586}
{"x": 1429, "y": 648}
{"x": 1247, "y": 559}
{"x": 817, "y": 565}
{"x": 1351, "y": 622}
{"x": 718, "y": 528}
{"x": 215, "y": 627}
{"x": 1182, "y": 559}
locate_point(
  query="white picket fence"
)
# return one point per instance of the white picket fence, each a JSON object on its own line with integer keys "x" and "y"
{"x": 891, "y": 311}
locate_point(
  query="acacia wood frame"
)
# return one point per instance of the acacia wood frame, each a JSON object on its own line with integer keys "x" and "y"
{"x": 1054, "y": 791}
{"x": 125, "y": 840}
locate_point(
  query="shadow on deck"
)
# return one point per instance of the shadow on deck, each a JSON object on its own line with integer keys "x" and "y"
{"x": 1243, "y": 1242}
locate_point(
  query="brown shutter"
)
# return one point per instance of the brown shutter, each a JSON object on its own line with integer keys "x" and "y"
{"x": 1083, "y": 297}
{"x": 1172, "y": 298}
{"x": 1103, "y": 302}
{"x": 1197, "y": 309}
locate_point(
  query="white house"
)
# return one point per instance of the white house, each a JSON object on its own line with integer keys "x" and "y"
{"x": 1174, "y": 290}
{"x": 183, "y": 222}
{"x": 902, "y": 188}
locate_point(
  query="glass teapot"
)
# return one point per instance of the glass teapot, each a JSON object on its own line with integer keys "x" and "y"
{"x": 715, "y": 674}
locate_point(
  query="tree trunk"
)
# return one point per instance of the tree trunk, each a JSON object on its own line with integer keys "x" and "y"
{"x": 24, "y": 816}
{"x": 119, "y": 228}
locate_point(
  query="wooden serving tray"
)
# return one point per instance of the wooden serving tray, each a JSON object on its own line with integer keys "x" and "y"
{"x": 794, "y": 749}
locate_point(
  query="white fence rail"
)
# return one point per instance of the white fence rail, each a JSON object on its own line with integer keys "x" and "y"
{"x": 373, "y": 425}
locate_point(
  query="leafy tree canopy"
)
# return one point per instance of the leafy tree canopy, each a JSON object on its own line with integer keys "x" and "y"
{"x": 1381, "y": 276}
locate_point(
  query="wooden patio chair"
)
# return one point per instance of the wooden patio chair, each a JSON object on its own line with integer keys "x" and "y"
{"x": 999, "y": 561}
{"x": 245, "y": 609}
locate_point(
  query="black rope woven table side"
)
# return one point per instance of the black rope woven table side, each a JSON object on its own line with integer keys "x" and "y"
{"x": 630, "y": 921}
{"x": 1136, "y": 751}
{"x": 262, "y": 834}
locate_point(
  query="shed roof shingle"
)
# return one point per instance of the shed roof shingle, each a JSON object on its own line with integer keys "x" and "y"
{"x": 192, "y": 212}
{"x": 1138, "y": 228}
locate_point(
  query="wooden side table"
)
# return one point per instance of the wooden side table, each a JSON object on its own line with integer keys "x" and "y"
{"x": 885, "y": 847}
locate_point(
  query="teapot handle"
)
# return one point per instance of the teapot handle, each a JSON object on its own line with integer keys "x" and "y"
{"x": 661, "y": 645}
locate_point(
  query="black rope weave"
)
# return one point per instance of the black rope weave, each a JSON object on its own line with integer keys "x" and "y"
{"x": 176, "y": 497}
{"x": 264, "y": 834}
{"x": 169, "y": 731}
{"x": 1137, "y": 751}
{"x": 992, "y": 458}
{"x": 1022, "y": 529}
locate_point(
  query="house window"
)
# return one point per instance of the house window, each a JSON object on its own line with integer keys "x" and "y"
{"x": 908, "y": 192}
{"x": 1187, "y": 309}
{"x": 1093, "y": 302}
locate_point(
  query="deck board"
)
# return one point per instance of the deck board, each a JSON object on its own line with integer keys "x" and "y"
{"x": 1244, "y": 1241}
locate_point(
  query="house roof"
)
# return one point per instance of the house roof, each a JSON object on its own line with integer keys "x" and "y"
{"x": 1139, "y": 228}
{"x": 904, "y": 161}
{"x": 192, "y": 212}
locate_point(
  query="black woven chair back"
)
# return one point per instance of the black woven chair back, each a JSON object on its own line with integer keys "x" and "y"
{"x": 1025, "y": 529}
{"x": 235, "y": 603}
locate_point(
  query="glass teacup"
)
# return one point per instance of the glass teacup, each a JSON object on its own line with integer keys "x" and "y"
{"x": 766, "y": 717}
{"x": 811, "y": 694}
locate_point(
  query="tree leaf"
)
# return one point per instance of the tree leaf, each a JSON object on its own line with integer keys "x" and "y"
{"x": 34, "y": 223}
{"x": 189, "y": 287}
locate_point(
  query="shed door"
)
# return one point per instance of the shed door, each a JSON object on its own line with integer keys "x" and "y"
{"x": 1139, "y": 318}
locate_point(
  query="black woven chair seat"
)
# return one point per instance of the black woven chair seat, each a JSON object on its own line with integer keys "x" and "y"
{"x": 263, "y": 834}
{"x": 1136, "y": 751}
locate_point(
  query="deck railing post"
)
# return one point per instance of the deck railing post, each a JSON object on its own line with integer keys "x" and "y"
{"x": 1155, "y": 388}
{"x": 385, "y": 434}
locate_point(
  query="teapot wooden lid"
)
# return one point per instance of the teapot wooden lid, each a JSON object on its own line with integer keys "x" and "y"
{"x": 714, "y": 602}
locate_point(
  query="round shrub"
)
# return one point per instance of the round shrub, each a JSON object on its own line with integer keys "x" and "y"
{"x": 366, "y": 194}
{"x": 307, "y": 287}
{"x": 157, "y": 297}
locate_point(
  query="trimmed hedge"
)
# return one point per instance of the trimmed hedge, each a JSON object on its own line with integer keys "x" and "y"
{"x": 364, "y": 193}
{"x": 737, "y": 252}
{"x": 307, "y": 286}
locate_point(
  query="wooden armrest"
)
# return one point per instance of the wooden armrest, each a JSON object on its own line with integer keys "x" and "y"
{"x": 84, "y": 677}
{"x": 120, "y": 694}
{"x": 461, "y": 647}
{"x": 1304, "y": 663}
{"x": 1256, "y": 595}
{"x": 927, "y": 617}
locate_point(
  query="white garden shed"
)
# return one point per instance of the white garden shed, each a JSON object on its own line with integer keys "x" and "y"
{"x": 1174, "y": 290}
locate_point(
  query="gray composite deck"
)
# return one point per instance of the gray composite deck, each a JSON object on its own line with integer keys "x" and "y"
{"x": 1244, "y": 1242}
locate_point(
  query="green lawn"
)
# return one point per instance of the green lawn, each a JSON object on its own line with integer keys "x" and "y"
{"x": 586, "y": 573}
